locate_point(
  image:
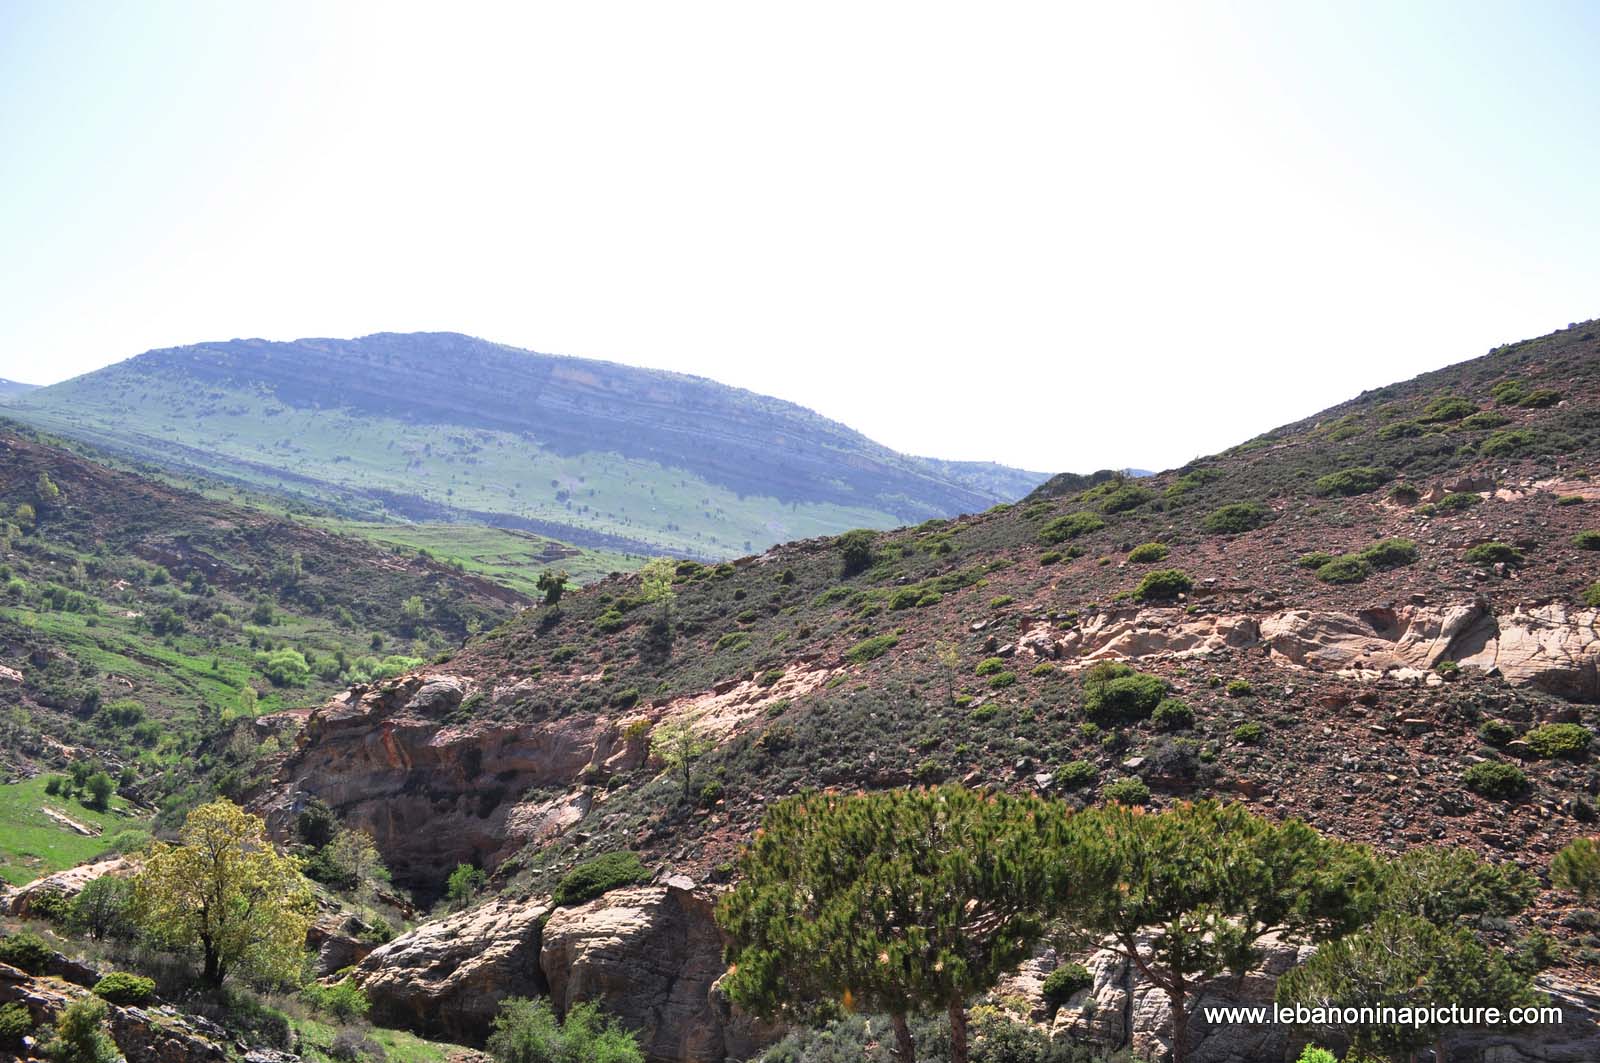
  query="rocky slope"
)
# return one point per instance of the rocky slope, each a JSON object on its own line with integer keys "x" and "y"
{"x": 444, "y": 426}
{"x": 1348, "y": 692}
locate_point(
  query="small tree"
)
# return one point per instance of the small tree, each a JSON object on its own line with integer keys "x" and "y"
{"x": 103, "y": 908}
{"x": 1185, "y": 895}
{"x": 1577, "y": 868}
{"x": 100, "y": 788}
{"x": 81, "y": 1034}
{"x": 526, "y": 1031}
{"x": 463, "y": 884}
{"x": 949, "y": 657}
{"x": 225, "y": 891}
{"x": 899, "y": 901}
{"x": 553, "y": 584}
{"x": 855, "y": 551}
{"x": 356, "y": 855}
{"x": 680, "y": 749}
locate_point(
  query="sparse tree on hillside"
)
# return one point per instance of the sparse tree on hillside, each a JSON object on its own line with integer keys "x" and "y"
{"x": 226, "y": 892}
{"x": 948, "y": 654}
{"x": 553, "y": 584}
{"x": 680, "y": 749}
{"x": 1187, "y": 893}
{"x": 101, "y": 909}
{"x": 899, "y": 901}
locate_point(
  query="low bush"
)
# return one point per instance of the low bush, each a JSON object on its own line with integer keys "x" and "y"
{"x": 1128, "y": 791}
{"x": 1485, "y": 420}
{"x": 1001, "y": 680}
{"x": 855, "y": 551}
{"x": 1495, "y": 779}
{"x": 990, "y": 666}
{"x": 1587, "y": 540}
{"x": 1163, "y": 585}
{"x": 1492, "y": 554}
{"x": 733, "y": 640}
{"x": 120, "y": 987}
{"x": 1116, "y": 693}
{"x": 15, "y": 1024}
{"x": 1070, "y": 526}
{"x": 1240, "y": 688}
{"x": 1509, "y": 392}
{"x": 1539, "y": 398}
{"x": 1456, "y": 501}
{"x": 1147, "y": 553}
{"x": 1389, "y": 553}
{"x": 25, "y": 950}
{"x": 1569, "y": 741}
{"x": 1577, "y": 868}
{"x": 1315, "y": 559}
{"x": 1448, "y": 408}
{"x": 601, "y": 875}
{"x": 1076, "y": 774}
{"x": 1346, "y": 569}
{"x": 1126, "y": 497}
{"x": 1061, "y": 983}
{"x": 1404, "y": 495}
{"x": 1249, "y": 734}
{"x": 1496, "y": 732}
{"x": 1511, "y": 443}
{"x": 1591, "y": 595}
{"x": 1400, "y": 430}
{"x": 1236, "y": 517}
{"x": 1173, "y": 714}
{"x": 1353, "y": 481}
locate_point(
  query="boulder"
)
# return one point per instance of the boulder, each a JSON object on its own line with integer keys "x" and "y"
{"x": 447, "y": 978}
{"x": 68, "y": 883}
{"x": 652, "y": 956}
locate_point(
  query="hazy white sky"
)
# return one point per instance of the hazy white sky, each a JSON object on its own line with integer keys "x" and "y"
{"x": 1059, "y": 235}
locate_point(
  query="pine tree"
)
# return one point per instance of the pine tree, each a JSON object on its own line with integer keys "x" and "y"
{"x": 900, "y": 902}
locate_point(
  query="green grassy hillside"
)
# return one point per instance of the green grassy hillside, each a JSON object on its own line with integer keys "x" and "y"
{"x": 442, "y": 427}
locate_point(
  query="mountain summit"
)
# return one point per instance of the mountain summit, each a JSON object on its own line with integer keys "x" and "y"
{"x": 445, "y": 426}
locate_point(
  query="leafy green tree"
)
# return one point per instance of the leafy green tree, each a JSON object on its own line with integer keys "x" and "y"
{"x": 1447, "y": 885}
{"x": 103, "y": 908}
{"x": 81, "y": 1034}
{"x": 1577, "y": 868}
{"x": 899, "y": 902}
{"x": 526, "y": 1031}
{"x": 463, "y": 884}
{"x": 226, "y": 892}
{"x": 1404, "y": 961}
{"x": 1186, "y": 894}
{"x": 680, "y": 749}
{"x": 553, "y": 584}
{"x": 355, "y": 854}
{"x": 855, "y": 551}
{"x": 100, "y": 788}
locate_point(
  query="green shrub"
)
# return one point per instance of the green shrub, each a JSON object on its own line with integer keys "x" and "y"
{"x": 1540, "y": 398}
{"x": 526, "y": 1031}
{"x": 1493, "y": 553}
{"x": 1049, "y": 557}
{"x": 1577, "y": 868}
{"x": 1070, "y": 526}
{"x": 1126, "y": 497}
{"x": 1002, "y": 680}
{"x": 81, "y": 1035}
{"x": 1128, "y": 791}
{"x": 1042, "y": 668}
{"x": 1495, "y": 779}
{"x": 1076, "y": 774}
{"x": 1509, "y": 392}
{"x": 1116, "y": 693}
{"x": 25, "y": 950}
{"x": 464, "y": 883}
{"x": 1389, "y": 553}
{"x": 1249, "y": 734}
{"x": 1400, "y": 430}
{"x": 1587, "y": 540}
{"x": 1353, "y": 481}
{"x": 1240, "y": 688}
{"x": 1448, "y": 408}
{"x": 1404, "y": 495}
{"x": 1485, "y": 420}
{"x": 1000, "y": 601}
{"x": 869, "y": 649}
{"x": 1456, "y": 501}
{"x": 1591, "y": 596}
{"x": 1346, "y": 569}
{"x": 1163, "y": 585}
{"x": 611, "y": 621}
{"x": 1315, "y": 559}
{"x": 984, "y": 713}
{"x": 1173, "y": 714}
{"x": 1061, "y": 983}
{"x": 1496, "y": 732}
{"x": 1565, "y": 740}
{"x": 733, "y": 640}
{"x": 1236, "y": 517}
{"x": 1313, "y": 1054}
{"x": 594, "y": 877}
{"x": 344, "y": 1000}
{"x": 905, "y": 598}
{"x": 1511, "y": 443}
{"x": 15, "y": 1024}
{"x": 855, "y": 551}
{"x": 990, "y": 666}
{"x": 120, "y": 987}
{"x": 1147, "y": 553}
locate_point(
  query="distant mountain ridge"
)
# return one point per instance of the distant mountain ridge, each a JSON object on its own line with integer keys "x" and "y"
{"x": 442, "y": 424}
{"x": 12, "y": 388}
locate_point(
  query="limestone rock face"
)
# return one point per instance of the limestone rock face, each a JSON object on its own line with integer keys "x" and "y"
{"x": 1550, "y": 646}
{"x": 68, "y": 883}
{"x": 651, "y": 955}
{"x": 448, "y": 977}
{"x": 156, "y": 1035}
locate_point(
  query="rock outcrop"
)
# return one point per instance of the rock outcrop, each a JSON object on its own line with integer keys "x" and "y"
{"x": 447, "y": 978}
{"x": 66, "y": 884}
{"x": 1550, "y": 646}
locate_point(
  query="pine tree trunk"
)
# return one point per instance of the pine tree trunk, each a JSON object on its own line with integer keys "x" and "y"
{"x": 905, "y": 1048}
{"x": 1180, "y": 1025}
{"x": 958, "y": 1031}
